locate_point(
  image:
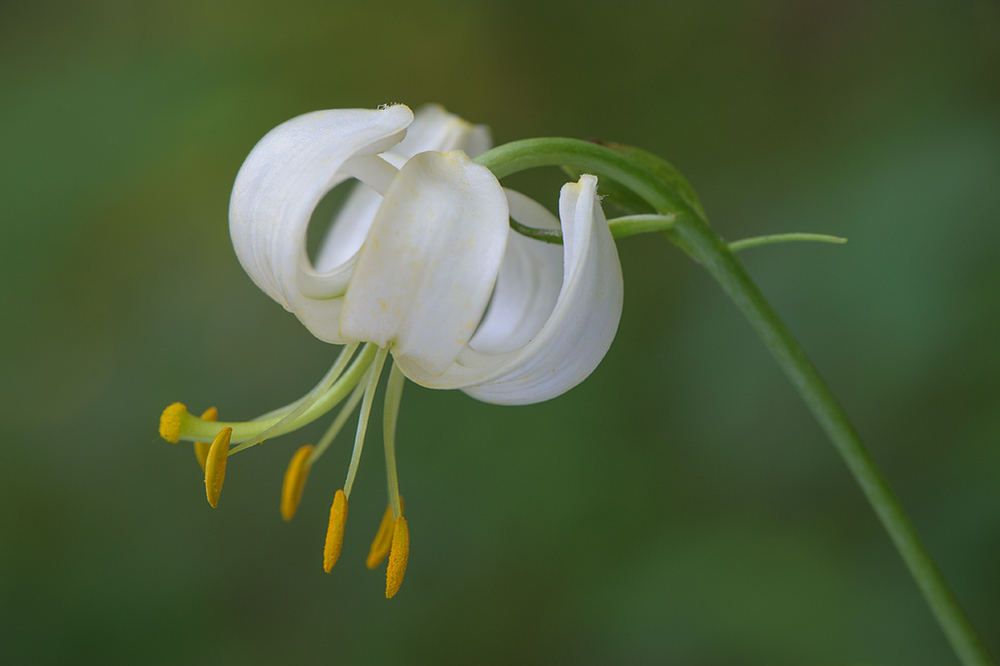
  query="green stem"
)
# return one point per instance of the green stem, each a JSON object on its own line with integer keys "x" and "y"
{"x": 693, "y": 234}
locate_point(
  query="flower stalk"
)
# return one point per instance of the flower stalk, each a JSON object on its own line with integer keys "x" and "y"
{"x": 663, "y": 189}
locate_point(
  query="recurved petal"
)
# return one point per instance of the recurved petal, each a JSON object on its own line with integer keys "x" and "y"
{"x": 528, "y": 284}
{"x": 433, "y": 128}
{"x": 425, "y": 274}
{"x": 577, "y": 332}
{"x": 282, "y": 180}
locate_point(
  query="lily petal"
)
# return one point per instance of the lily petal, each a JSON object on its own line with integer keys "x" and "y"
{"x": 528, "y": 284}
{"x": 433, "y": 128}
{"x": 282, "y": 180}
{"x": 576, "y": 333}
{"x": 425, "y": 275}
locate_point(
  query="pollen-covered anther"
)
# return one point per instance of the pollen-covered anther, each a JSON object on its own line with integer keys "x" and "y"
{"x": 215, "y": 466}
{"x": 335, "y": 532}
{"x": 398, "y": 555}
{"x": 170, "y": 422}
{"x": 383, "y": 540}
{"x": 295, "y": 481}
{"x": 201, "y": 448}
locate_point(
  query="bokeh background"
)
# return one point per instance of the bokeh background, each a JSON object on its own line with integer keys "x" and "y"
{"x": 678, "y": 507}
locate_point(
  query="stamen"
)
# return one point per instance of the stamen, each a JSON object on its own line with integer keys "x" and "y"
{"x": 366, "y": 408}
{"x": 398, "y": 556}
{"x": 201, "y": 448}
{"x": 170, "y": 422}
{"x": 383, "y": 540}
{"x": 335, "y": 532}
{"x": 393, "y": 396}
{"x": 295, "y": 481}
{"x": 215, "y": 466}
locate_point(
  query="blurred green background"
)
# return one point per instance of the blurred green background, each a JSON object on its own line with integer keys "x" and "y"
{"x": 678, "y": 507}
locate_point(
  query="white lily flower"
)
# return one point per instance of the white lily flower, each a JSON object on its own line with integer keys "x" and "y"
{"x": 420, "y": 262}
{"x": 551, "y": 321}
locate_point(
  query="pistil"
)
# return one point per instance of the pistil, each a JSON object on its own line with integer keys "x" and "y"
{"x": 177, "y": 424}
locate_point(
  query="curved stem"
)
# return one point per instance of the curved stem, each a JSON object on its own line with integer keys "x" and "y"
{"x": 732, "y": 276}
{"x": 693, "y": 234}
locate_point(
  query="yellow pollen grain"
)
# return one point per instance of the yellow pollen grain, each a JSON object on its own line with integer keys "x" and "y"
{"x": 383, "y": 540}
{"x": 215, "y": 466}
{"x": 170, "y": 422}
{"x": 201, "y": 448}
{"x": 295, "y": 481}
{"x": 397, "y": 558}
{"x": 335, "y": 532}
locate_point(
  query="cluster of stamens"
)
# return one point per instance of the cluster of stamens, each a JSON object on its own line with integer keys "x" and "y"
{"x": 352, "y": 379}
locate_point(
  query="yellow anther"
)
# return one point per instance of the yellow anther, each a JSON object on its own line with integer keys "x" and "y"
{"x": 397, "y": 558}
{"x": 201, "y": 448}
{"x": 383, "y": 540}
{"x": 170, "y": 422}
{"x": 335, "y": 532}
{"x": 295, "y": 481}
{"x": 215, "y": 466}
